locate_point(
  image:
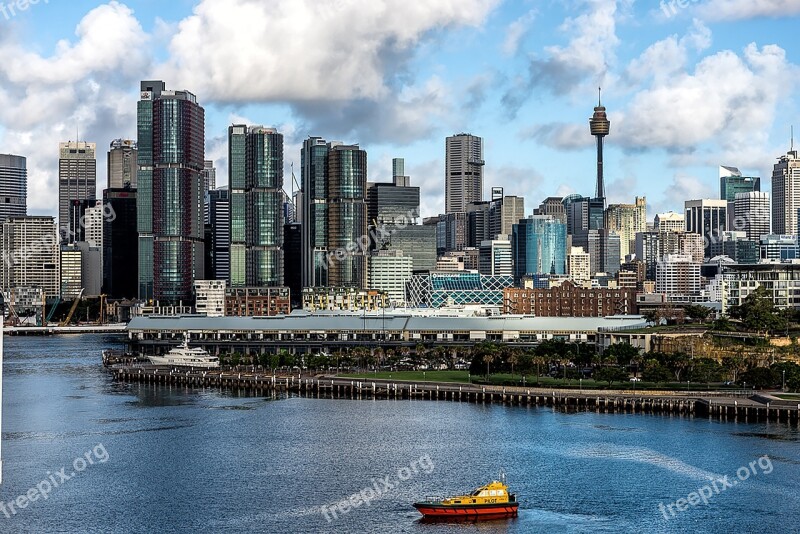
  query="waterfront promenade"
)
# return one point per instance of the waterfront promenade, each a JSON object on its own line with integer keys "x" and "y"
{"x": 733, "y": 406}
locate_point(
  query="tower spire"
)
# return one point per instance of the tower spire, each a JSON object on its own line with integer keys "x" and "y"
{"x": 599, "y": 126}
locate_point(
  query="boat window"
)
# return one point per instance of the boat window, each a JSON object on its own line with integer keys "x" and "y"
{"x": 482, "y": 494}
{"x": 493, "y": 493}
{"x": 500, "y": 492}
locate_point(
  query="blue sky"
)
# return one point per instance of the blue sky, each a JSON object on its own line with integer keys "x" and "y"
{"x": 687, "y": 89}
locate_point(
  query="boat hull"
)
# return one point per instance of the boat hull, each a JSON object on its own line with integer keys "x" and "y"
{"x": 488, "y": 511}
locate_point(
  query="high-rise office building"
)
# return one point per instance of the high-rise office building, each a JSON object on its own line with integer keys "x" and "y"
{"x": 603, "y": 247}
{"x": 504, "y": 212}
{"x": 731, "y": 182}
{"x": 389, "y": 203}
{"x": 120, "y": 244}
{"x": 786, "y": 194}
{"x": 77, "y": 180}
{"x": 627, "y": 220}
{"x": 420, "y": 242}
{"x": 669, "y": 222}
{"x": 264, "y": 207}
{"x": 463, "y": 171}
{"x": 171, "y": 138}
{"x": 751, "y": 214}
{"x": 678, "y": 277}
{"x": 399, "y": 176}
{"x": 13, "y": 186}
{"x": 334, "y": 225}
{"x": 389, "y": 271}
{"x": 219, "y": 223}
{"x": 314, "y": 211}
{"x": 347, "y": 216}
{"x": 576, "y": 211}
{"x": 30, "y": 255}
{"x": 237, "y": 186}
{"x": 495, "y": 257}
{"x": 553, "y": 206}
{"x": 121, "y": 164}
{"x": 293, "y": 261}
{"x": 539, "y": 245}
{"x": 708, "y": 218}
{"x": 209, "y": 176}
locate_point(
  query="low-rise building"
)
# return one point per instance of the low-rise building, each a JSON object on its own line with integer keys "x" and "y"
{"x": 210, "y": 297}
{"x": 782, "y": 282}
{"x": 569, "y": 300}
{"x": 343, "y": 299}
{"x": 257, "y": 301}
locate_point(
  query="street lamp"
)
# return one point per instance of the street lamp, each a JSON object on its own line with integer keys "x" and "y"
{"x": 783, "y": 384}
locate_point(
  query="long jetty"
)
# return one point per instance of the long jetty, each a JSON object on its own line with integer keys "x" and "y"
{"x": 723, "y": 406}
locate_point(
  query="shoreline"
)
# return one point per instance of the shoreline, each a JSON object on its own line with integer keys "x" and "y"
{"x": 713, "y": 405}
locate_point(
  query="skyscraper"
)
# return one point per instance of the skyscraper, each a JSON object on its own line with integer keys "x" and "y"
{"x": 13, "y": 186}
{"x": 122, "y": 157}
{"x": 209, "y": 176}
{"x": 219, "y": 222}
{"x": 732, "y": 182}
{"x": 600, "y": 126}
{"x": 30, "y": 255}
{"x": 171, "y": 141}
{"x": 786, "y": 193}
{"x": 708, "y": 218}
{"x": 120, "y": 244}
{"x": 627, "y": 220}
{"x": 334, "y": 214}
{"x": 314, "y": 211}
{"x": 264, "y": 207}
{"x": 751, "y": 214}
{"x": 77, "y": 180}
{"x": 539, "y": 245}
{"x": 347, "y": 216}
{"x": 463, "y": 171}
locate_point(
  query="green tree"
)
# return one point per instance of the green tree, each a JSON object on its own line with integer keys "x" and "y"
{"x": 734, "y": 365}
{"x": 622, "y": 353}
{"x": 758, "y": 314}
{"x": 677, "y": 363}
{"x": 760, "y": 377}
{"x": 654, "y": 371}
{"x": 705, "y": 370}
{"x": 697, "y": 312}
{"x": 788, "y": 371}
{"x": 610, "y": 375}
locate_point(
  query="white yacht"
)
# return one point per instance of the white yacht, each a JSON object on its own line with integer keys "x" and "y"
{"x": 184, "y": 356}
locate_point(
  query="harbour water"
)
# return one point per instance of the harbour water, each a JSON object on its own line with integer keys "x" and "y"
{"x": 143, "y": 458}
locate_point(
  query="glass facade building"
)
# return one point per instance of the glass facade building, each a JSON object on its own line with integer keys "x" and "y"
{"x": 170, "y": 209}
{"x": 539, "y": 245}
{"x": 13, "y": 186}
{"x": 314, "y": 212}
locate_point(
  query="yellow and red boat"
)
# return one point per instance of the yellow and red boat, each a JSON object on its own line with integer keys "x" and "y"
{"x": 492, "y": 501}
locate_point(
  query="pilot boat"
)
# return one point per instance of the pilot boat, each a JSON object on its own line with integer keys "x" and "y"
{"x": 490, "y": 501}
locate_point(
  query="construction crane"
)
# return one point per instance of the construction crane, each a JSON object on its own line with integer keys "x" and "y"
{"x": 52, "y": 310}
{"x": 75, "y": 302}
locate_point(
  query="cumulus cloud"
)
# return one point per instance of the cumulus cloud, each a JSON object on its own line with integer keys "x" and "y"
{"x": 748, "y": 9}
{"x": 334, "y": 62}
{"x": 82, "y": 88}
{"x": 560, "y": 135}
{"x": 587, "y": 56}
{"x": 728, "y": 98}
{"x": 517, "y": 30}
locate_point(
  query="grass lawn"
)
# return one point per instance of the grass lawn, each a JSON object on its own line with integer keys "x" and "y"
{"x": 789, "y": 396}
{"x": 516, "y": 380}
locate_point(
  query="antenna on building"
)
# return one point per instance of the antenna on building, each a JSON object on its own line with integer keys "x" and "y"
{"x": 791, "y": 142}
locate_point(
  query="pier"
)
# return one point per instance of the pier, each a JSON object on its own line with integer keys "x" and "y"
{"x": 725, "y": 406}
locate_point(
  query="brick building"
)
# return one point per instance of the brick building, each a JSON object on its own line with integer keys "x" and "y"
{"x": 569, "y": 300}
{"x": 257, "y": 301}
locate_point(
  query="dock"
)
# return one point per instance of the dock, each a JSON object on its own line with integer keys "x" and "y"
{"x": 62, "y": 330}
{"x": 723, "y": 406}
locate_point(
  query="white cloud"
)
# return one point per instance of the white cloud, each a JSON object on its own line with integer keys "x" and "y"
{"x": 587, "y": 56}
{"x": 84, "y": 85}
{"x": 306, "y": 50}
{"x": 729, "y": 99}
{"x": 748, "y": 9}
{"x": 516, "y": 32}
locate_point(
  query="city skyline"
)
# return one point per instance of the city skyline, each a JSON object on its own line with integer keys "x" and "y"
{"x": 536, "y": 137}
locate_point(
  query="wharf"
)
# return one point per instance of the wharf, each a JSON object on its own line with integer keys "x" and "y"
{"x": 723, "y": 406}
